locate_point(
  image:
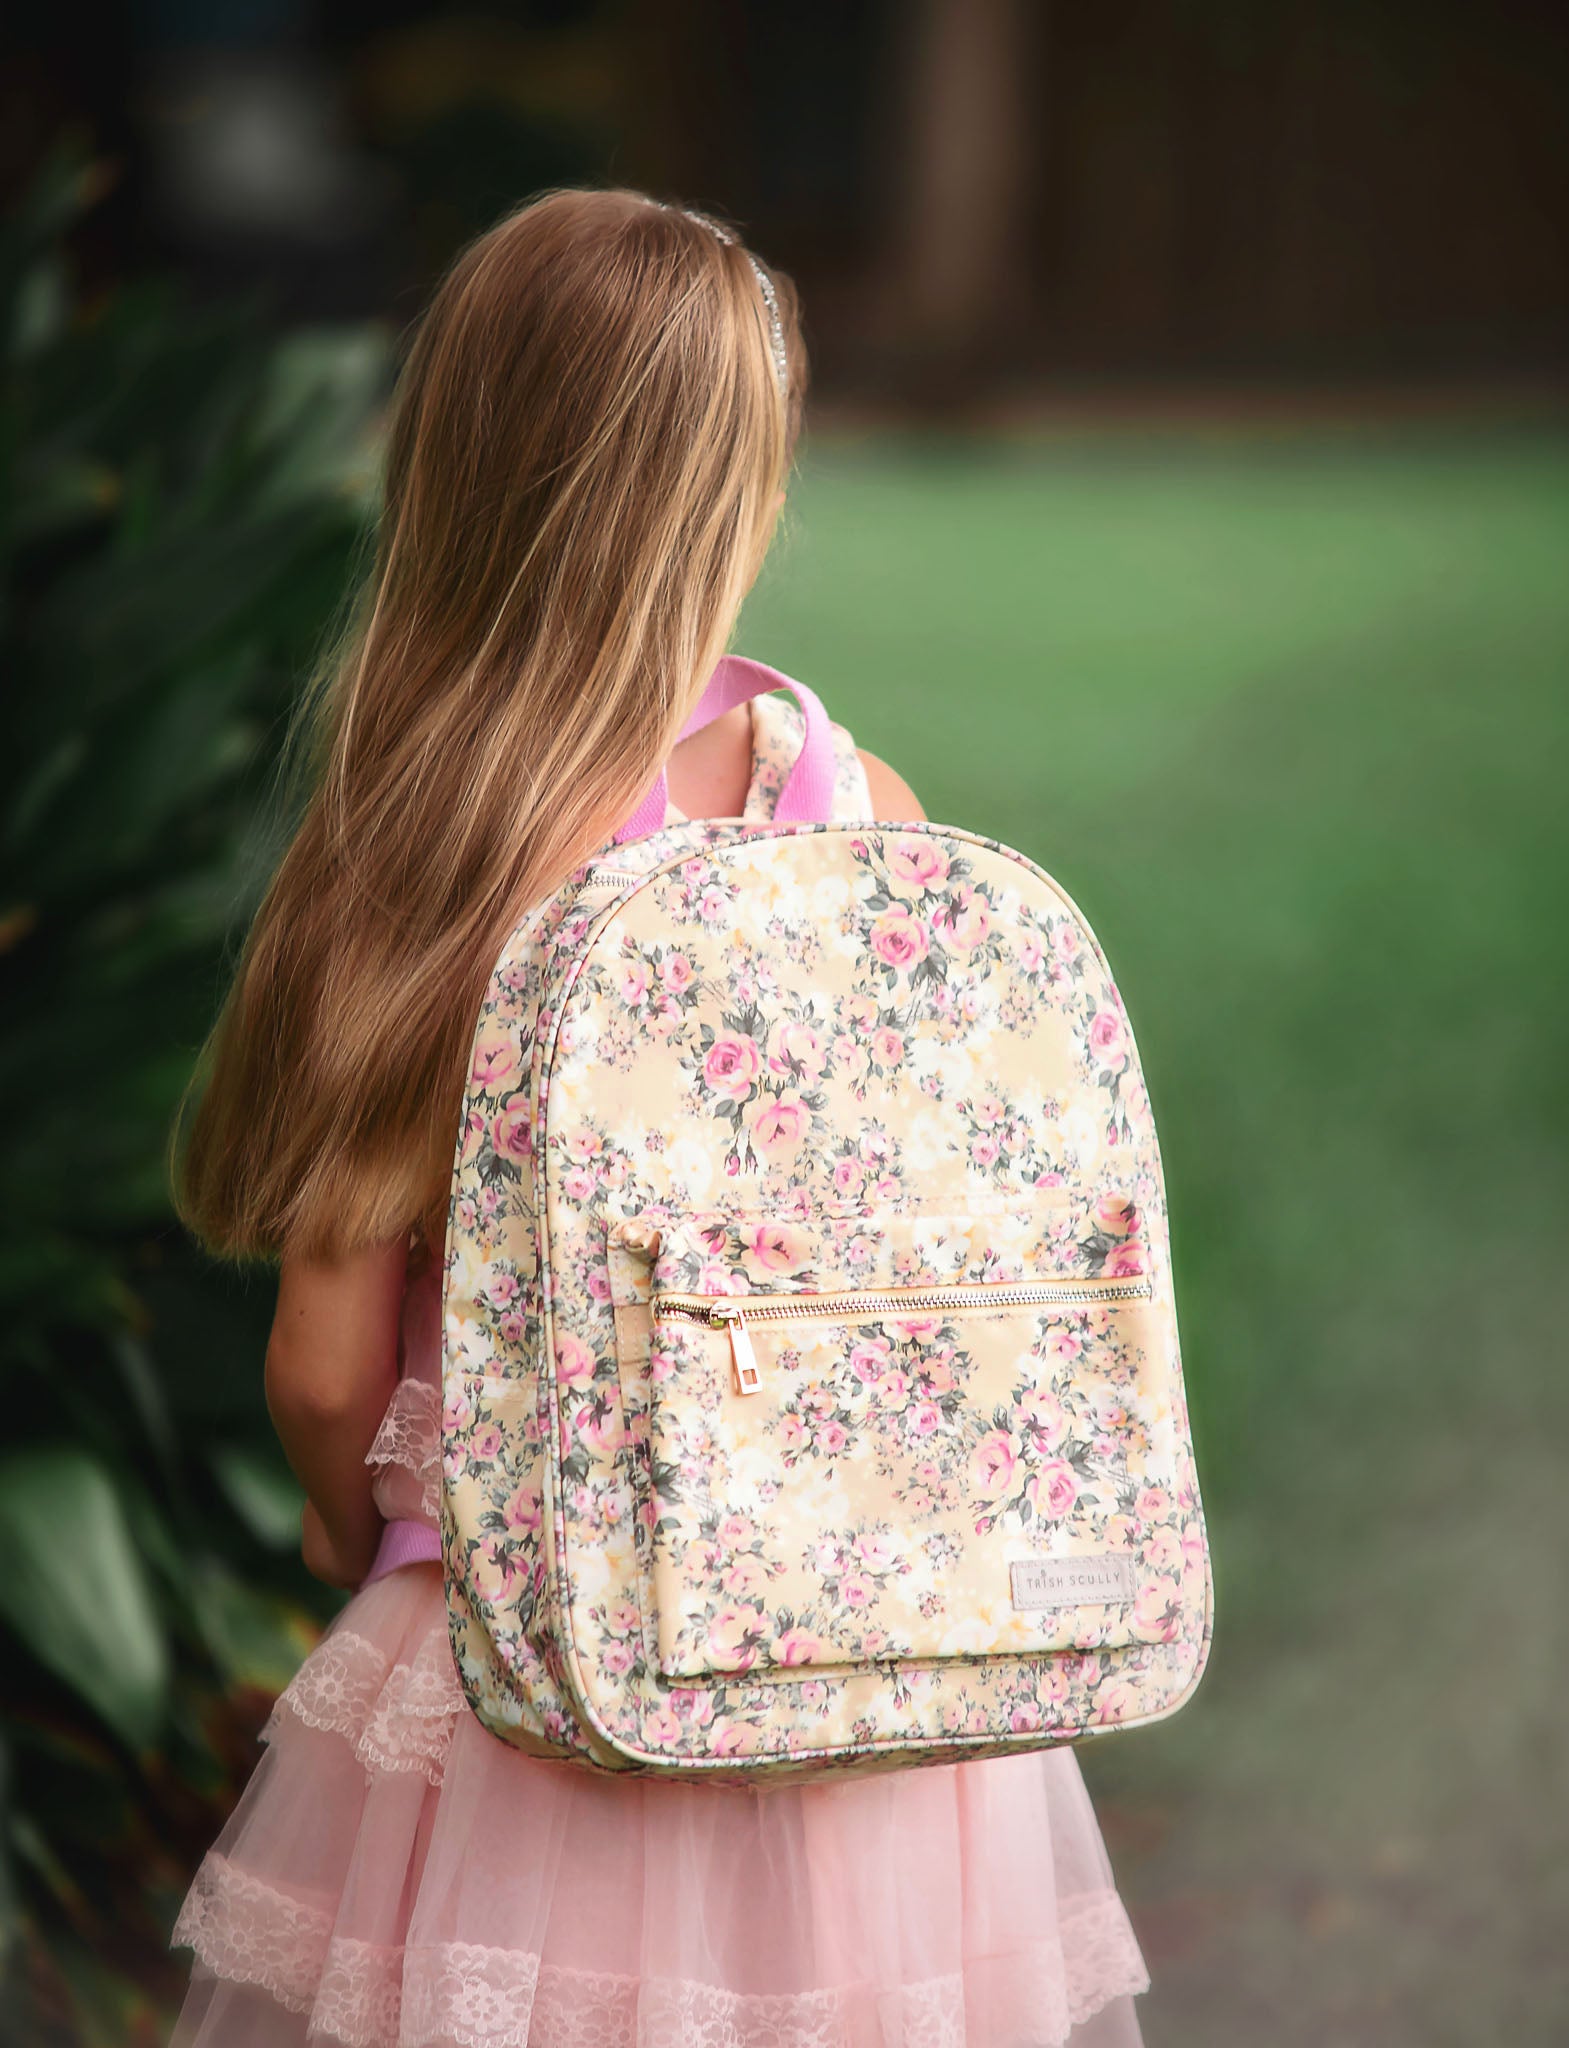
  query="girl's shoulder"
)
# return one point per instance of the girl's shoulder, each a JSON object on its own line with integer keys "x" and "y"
{"x": 889, "y": 795}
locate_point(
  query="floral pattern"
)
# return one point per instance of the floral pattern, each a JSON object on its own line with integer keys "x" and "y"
{"x": 867, "y": 1504}
{"x": 788, "y": 1061}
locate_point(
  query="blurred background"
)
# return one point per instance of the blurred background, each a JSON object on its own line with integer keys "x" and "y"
{"x": 1185, "y": 502}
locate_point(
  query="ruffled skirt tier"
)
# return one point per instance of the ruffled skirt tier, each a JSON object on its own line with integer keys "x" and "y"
{"x": 395, "y": 1877}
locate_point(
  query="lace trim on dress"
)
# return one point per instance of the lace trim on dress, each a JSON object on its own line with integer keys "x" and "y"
{"x": 410, "y": 1436}
{"x": 248, "y": 1932}
{"x": 394, "y": 1717}
{"x": 1100, "y": 1953}
{"x": 370, "y": 1995}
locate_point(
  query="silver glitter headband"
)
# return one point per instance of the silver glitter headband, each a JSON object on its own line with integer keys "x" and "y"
{"x": 765, "y": 284}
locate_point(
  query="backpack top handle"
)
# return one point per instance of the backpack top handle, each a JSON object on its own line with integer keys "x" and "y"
{"x": 808, "y": 793}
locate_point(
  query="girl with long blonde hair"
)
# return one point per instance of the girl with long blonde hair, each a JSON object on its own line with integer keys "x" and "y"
{"x": 587, "y": 456}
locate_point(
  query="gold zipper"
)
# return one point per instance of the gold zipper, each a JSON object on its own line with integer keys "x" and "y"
{"x": 719, "y": 1313}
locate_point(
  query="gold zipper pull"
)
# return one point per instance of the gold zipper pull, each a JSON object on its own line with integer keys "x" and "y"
{"x": 747, "y": 1377}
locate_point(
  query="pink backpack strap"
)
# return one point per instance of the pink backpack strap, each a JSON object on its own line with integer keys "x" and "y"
{"x": 808, "y": 793}
{"x": 404, "y": 1543}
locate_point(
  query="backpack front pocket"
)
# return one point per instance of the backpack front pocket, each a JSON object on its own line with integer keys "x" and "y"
{"x": 908, "y": 1473}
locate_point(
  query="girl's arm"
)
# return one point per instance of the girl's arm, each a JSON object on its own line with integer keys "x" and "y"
{"x": 332, "y": 1363}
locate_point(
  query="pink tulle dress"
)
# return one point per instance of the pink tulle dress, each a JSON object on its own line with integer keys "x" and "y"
{"x": 396, "y": 1877}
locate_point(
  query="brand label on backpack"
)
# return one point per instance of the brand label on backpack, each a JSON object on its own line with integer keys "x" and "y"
{"x": 1096, "y": 1579}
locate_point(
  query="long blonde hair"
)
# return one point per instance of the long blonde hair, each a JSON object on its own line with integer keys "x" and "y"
{"x": 582, "y": 470}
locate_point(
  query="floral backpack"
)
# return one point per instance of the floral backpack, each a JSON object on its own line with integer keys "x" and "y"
{"x": 811, "y": 1390}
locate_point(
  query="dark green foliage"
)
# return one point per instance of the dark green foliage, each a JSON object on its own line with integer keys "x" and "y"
{"x": 181, "y": 500}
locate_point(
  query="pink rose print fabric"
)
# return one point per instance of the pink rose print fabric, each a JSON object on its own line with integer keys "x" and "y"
{"x": 812, "y": 1392}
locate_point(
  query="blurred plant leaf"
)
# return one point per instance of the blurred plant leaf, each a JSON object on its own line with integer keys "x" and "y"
{"x": 74, "y": 1590}
{"x": 65, "y": 186}
{"x": 262, "y": 1491}
{"x": 68, "y": 494}
{"x": 183, "y": 495}
{"x": 256, "y": 1638}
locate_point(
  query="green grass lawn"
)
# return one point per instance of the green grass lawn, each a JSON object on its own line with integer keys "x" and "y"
{"x": 1287, "y": 715}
